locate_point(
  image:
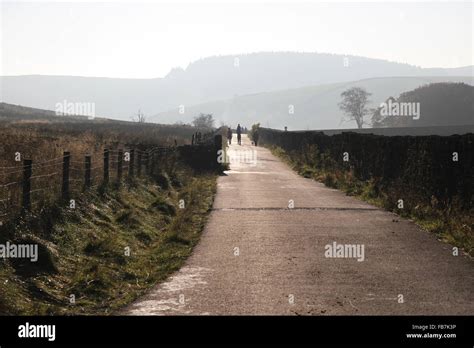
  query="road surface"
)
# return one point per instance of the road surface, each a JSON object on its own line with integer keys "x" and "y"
{"x": 258, "y": 256}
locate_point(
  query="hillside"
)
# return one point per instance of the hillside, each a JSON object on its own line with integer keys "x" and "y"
{"x": 17, "y": 120}
{"x": 440, "y": 104}
{"x": 19, "y": 113}
{"x": 206, "y": 80}
{"x": 315, "y": 107}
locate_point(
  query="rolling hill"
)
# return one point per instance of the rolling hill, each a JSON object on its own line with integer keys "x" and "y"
{"x": 315, "y": 107}
{"x": 204, "y": 81}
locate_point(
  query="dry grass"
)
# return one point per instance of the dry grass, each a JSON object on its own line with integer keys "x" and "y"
{"x": 46, "y": 143}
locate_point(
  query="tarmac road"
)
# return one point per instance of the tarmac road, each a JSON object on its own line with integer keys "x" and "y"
{"x": 257, "y": 256}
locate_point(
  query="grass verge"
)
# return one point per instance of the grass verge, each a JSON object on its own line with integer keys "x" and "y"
{"x": 108, "y": 250}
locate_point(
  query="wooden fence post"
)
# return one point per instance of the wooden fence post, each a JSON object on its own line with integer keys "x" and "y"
{"x": 65, "y": 186}
{"x": 132, "y": 163}
{"x": 87, "y": 171}
{"x": 106, "y": 166}
{"x": 27, "y": 165}
{"x": 152, "y": 164}
{"x": 139, "y": 164}
{"x": 119, "y": 165}
{"x": 147, "y": 163}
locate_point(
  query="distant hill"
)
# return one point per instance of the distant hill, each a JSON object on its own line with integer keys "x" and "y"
{"x": 203, "y": 81}
{"x": 12, "y": 112}
{"x": 19, "y": 114}
{"x": 315, "y": 107}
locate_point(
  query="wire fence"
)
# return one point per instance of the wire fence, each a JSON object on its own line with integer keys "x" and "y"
{"x": 31, "y": 184}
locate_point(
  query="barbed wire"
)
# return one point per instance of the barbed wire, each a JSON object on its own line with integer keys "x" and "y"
{"x": 42, "y": 176}
{"x": 10, "y": 183}
{"x": 36, "y": 163}
{"x": 10, "y": 173}
{"x": 50, "y": 168}
{"x": 40, "y": 189}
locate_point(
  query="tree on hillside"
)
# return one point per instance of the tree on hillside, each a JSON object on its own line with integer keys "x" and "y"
{"x": 378, "y": 119}
{"x": 140, "y": 117}
{"x": 204, "y": 121}
{"x": 354, "y": 104}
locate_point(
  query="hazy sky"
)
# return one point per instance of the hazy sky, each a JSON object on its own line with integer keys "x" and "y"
{"x": 146, "y": 39}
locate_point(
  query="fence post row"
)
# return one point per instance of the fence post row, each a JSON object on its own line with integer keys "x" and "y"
{"x": 149, "y": 161}
{"x": 27, "y": 165}
{"x": 65, "y": 185}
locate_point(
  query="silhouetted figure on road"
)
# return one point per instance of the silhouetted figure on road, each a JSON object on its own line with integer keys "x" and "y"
{"x": 255, "y": 137}
{"x": 229, "y": 135}
{"x": 239, "y": 134}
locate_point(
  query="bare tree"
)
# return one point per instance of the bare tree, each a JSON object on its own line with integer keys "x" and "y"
{"x": 354, "y": 104}
{"x": 140, "y": 117}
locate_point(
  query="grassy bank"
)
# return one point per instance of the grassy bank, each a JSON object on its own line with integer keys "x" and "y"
{"x": 108, "y": 250}
{"x": 447, "y": 220}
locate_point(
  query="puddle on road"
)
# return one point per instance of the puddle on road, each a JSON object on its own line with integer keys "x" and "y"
{"x": 172, "y": 295}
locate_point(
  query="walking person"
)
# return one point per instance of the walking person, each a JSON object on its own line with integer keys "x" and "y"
{"x": 255, "y": 137}
{"x": 229, "y": 135}
{"x": 239, "y": 134}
